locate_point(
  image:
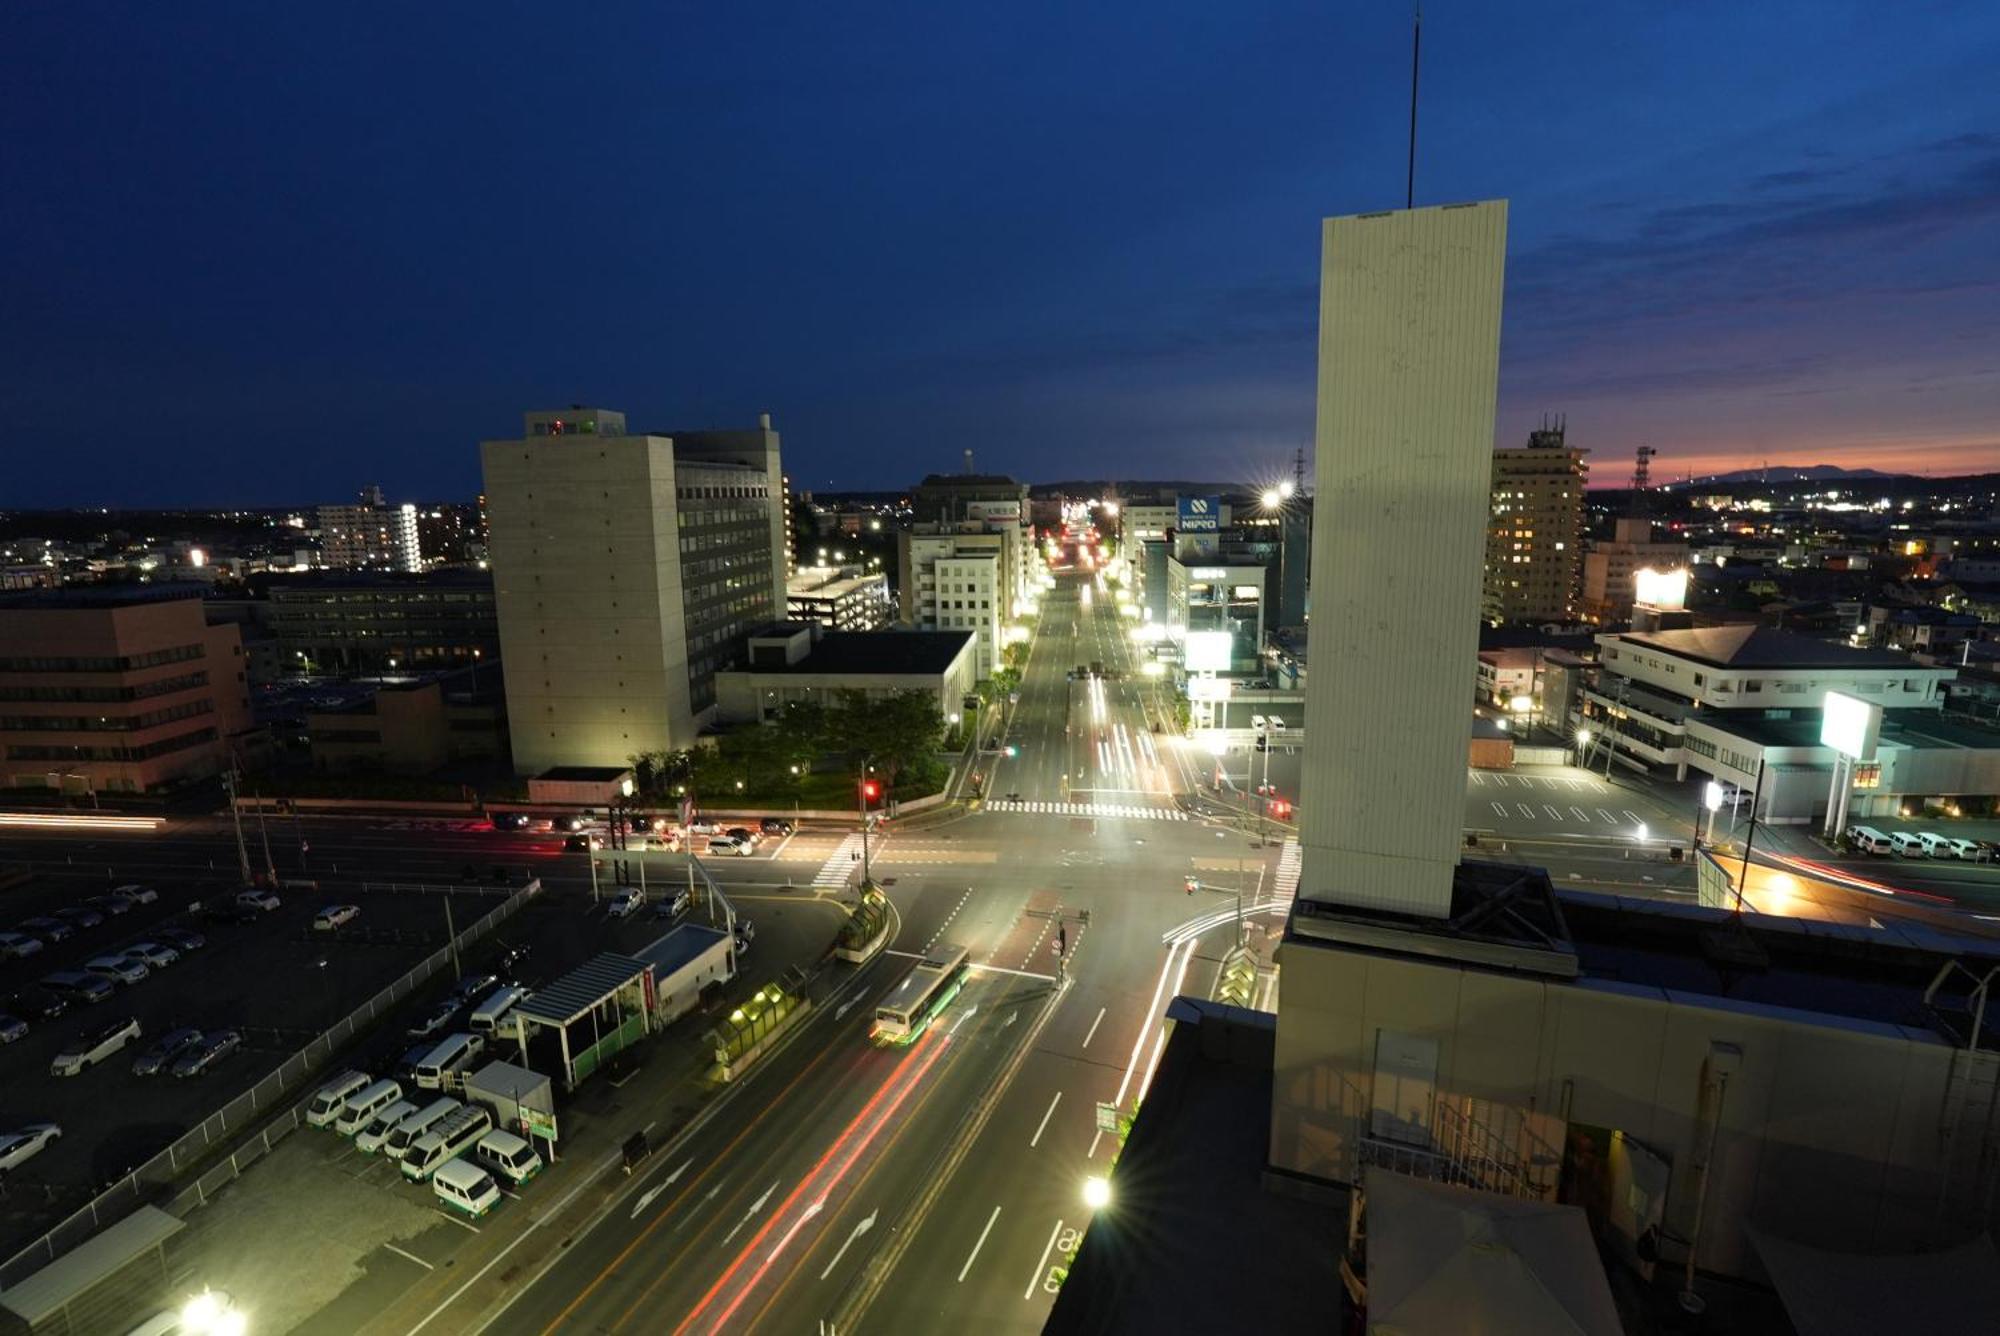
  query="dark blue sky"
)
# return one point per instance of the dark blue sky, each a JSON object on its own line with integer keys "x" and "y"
{"x": 265, "y": 253}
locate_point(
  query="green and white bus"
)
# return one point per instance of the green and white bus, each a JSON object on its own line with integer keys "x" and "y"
{"x": 924, "y": 992}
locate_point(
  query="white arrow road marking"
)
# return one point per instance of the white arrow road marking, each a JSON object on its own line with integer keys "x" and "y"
{"x": 797, "y": 1225}
{"x": 652, "y": 1194}
{"x": 867, "y": 1223}
{"x": 969, "y": 1013}
{"x": 755, "y": 1207}
{"x": 707, "y": 1197}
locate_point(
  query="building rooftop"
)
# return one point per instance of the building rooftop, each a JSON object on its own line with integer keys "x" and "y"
{"x": 103, "y": 596}
{"x": 1917, "y": 729}
{"x": 447, "y": 578}
{"x": 685, "y": 943}
{"x": 914, "y": 652}
{"x": 1762, "y": 647}
{"x": 582, "y": 988}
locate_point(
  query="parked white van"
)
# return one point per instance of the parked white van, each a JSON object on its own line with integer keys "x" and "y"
{"x": 361, "y": 1108}
{"x": 1935, "y": 845}
{"x": 332, "y": 1097}
{"x": 486, "y": 1017}
{"x": 456, "y": 1134}
{"x": 1907, "y": 843}
{"x": 454, "y": 1054}
{"x": 465, "y": 1187}
{"x": 1869, "y": 840}
{"x": 371, "y": 1138}
{"x": 418, "y": 1126}
{"x": 1972, "y": 851}
{"x": 508, "y": 1156}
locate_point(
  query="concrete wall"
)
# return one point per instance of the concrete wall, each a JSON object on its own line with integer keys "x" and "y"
{"x": 741, "y": 697}
{"x": 1408, "y": 368}
{"x": 1829, "y": 1131}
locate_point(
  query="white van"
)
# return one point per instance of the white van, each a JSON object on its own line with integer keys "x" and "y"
{"x": 487, "y": 1016}
{"x": 372, "y": 1137}
{"x": 1935, "y": 846}
{"x": 454, "y": 1054}
{"x": 1971, "y": 851}
{"x": 508, "y": 1156}
{"x": 466, "y": 1188}
{"x": 361, "y": 1108}
{"x": 456, "y": 1134}
{"x": 332, "y": 1097}
{"x": 728, "y": 846}
{"x": 1907, "y": 843}
{"x": 1869, "y": 840}
{"x": 418, "y": 1126}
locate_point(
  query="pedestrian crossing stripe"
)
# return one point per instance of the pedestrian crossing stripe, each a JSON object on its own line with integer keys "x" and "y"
{"x": 1290, "y": 864}
{"x": 839, "y": 867}
{"x": 1129, "y": 811}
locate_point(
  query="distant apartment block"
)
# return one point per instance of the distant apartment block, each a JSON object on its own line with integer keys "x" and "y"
{"x": 1535, "y": 532}
{"x": 345, "y": 624}
{"x": 370, "y": 535}
{"x": 628, "y": 569}
{"x": 960, "y": 580}
{"x": 117, "y": 689}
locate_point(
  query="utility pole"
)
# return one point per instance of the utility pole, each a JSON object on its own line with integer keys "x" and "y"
{"x": 451, "y": 937}
{"x": 264, "y": 834}
{"x": 861, "y": 792}
{"x": 236, "y": 820}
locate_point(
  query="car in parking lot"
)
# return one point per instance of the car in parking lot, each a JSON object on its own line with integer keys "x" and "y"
{"x": 164, "y": 1050}
{"x": 181, "y": 939}
{"x": 508, "y": 956}
{"x": 746, "y": 933}
{"x": 36, "y": 1004}
{"x": 94, "y": 1046}
{"x": 81, "y": 916}
{"x": 137, "y": 895}
{"x": 476, "y": 984}
{"x": 335, "y": 916}
{"x": 19, "y": 945}
{"x": 256, "y": 897}
{"x": 50, "y": 930}
{"x": 152, "y": 954}
{"x": 108, "y": 905}
{"x": 673, "y": 905}
{"x": 121, "y": 968}
{"x": 436, "y": 1019}
{"x": 229, "y": 911}
{"x": 77, "y": 986}
{"x": 626, "y": 902}
{"x": 25, "y": 1143}
{"x": 12, "y": 1028}
{"x": 744, "y": 835}
{"x": 1970, "y": 851}
{"x": 212, "y": 1049}
{"x": 776, "y": 825}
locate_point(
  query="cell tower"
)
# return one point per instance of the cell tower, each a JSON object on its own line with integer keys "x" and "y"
{"x": 1642, "y": 477}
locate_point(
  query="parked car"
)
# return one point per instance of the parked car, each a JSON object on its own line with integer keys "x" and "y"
{"x": 229, "y": 911}
{"x": 12, "y": 1028}
{"x": 19, "y": 945}
{"x": 335, "y": 916}
{"x": 212, "y": 1049}
{"x": 510, "y": 821}
{"x": 625, "y": 902}
{"x": 108, "y": 905}
{"x": 508, "y": 956}
{"x": 37, "y": 1004}
{"x": 744, "y": 834}
{"x": 80, "y": 916}
{"x": 121, "y": 968}
{"x": 776, "y": 825}
{"x": 77, "y": 986}
{"x": 436, "y": 1019}
{"x": 137, "y": 895}
{"x": 165, "y": 1050}
{"x": 256, "y": 897}
{"x": 571, "y": 821}
{"x": 94, "y": 1046}
{"x": 674, "y": 905}
{"x": 152, "y": 954}
{"x": 746, "y": 932}
{"x": 181, "y": 939}
{"x": 728, "y": 846}
{"x": 50, "y": 930}
{"x": 476, "y": 984}
{"x": 1971, "y": 851}
{"x": 18, "y": 1147}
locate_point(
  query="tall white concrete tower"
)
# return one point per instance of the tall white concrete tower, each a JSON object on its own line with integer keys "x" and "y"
{"x": 1409, "y": 364}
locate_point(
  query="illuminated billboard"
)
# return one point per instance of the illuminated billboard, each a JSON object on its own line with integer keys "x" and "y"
{"x": 1661, "y": 589}
{"x": 1200, "y": 514}
{"x": 1208, "y": 651}
{"x": 1851, "y": 727}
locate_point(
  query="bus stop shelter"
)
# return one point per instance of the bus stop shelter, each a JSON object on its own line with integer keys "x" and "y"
{"x": 590, "y": 1015}
{"x": 105, "y": 1283}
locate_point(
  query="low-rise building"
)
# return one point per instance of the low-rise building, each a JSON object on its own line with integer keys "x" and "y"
{"x": 839, "y": 598}
{"x": 794, "y": 662}
{"x": 413, "y": 725}
{"x": 1608, "y": 568}
{"x": 360, "y": 623}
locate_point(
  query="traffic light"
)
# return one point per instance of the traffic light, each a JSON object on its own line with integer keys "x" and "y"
{"x": 870, "y": 789}
{"x": 1012, "y": 750}
{"x": 1281, "y": 810}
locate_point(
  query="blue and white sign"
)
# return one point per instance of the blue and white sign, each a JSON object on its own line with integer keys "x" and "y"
{"x": 1200, "y": 514}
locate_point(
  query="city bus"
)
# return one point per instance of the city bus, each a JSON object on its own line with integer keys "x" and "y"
{"x": 924, "y": 992}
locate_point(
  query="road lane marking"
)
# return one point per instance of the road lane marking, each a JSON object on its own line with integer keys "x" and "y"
{"x": 1499, "y": 808}
{"x": 1554, "y": 815}
{"x": 977, "y": 1246}
{"x": 1608, "y": 816}
{"x": 1526, "y": 811}
{"x": 1581, "y": 815}
{"x": 1637, "y": 820}
{"x": 1044, "y": 1125}
{"x": 1093, "y": 1028}
{"x": 867, "y": 1223}
{"x": 460, "y": 1223}
{"x": 1034, "y": 1281}
{"x": 412, "y": 1256}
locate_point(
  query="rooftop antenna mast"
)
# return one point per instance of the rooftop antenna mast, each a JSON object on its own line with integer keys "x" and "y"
{"x": 1416, "y": 55}
{"x": 1642, "y": 477}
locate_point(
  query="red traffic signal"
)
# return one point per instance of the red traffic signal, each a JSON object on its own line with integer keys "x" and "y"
{"x": 1281, "y": 810}
{"x": 870, "y": 789}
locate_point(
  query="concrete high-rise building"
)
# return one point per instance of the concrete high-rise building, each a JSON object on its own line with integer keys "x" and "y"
{"x": 1409, "y": 364}
{"x": 1535, "y": 531}
{"x": 371, "y": 535}
{"x": 628, "y": 569}
{"x": 1608, "y": 568}
{"x": 991, "y": 502}
{"x": 963, "y": 577}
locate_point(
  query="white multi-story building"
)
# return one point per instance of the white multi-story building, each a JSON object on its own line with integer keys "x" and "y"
{"x": 937, "y": 562}
{"x": 627, "y": 570}
{"x": 370, "y": 535}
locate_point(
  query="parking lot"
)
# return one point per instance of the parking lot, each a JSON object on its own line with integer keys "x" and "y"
{"x": 271, "y": 977}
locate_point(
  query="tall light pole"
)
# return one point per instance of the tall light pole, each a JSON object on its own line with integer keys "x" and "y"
{"x": 1711, "y": 798}
{"x": 863, "y": 785}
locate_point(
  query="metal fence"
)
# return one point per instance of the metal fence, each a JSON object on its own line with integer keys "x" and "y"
{"x": 274, "y": 1101}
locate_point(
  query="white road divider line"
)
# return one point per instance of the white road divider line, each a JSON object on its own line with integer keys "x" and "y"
{"x": 1093, "y": 1028}
{"x": 1044, "y": 1124}
{"x": 977, "y": 1246}
{"x": 1035, "y": 1281}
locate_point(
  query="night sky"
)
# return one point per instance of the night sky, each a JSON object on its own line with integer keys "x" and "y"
{"x": 264, "y": 253}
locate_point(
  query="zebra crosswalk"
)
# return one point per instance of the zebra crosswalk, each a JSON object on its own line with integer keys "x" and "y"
{"x": 1129, "y": 811}
{"x": 1285, "y": 884}
{"x": 841, "y": 866}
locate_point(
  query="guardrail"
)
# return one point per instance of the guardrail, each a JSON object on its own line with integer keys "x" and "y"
{"x": 278, "y": 1093}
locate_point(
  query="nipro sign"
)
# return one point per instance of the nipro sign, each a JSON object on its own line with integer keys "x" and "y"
{"x": 1200, "y": 514}
{"x": 1851, "y": 727}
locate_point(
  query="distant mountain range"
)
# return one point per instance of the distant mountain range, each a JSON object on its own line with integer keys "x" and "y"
{"x": 1794, "y": 473}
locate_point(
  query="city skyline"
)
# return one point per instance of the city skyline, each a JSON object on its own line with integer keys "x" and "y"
{"x": 1741, "y": 238}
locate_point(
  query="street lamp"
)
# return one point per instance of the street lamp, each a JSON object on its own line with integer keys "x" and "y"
{"x": 1271, "y": 499}
{"x": 1582, "y": 744}
{"x": 1286, "y": 489}
{"x": 1711, "y": 798}
{"x": 1096, "y": 1192}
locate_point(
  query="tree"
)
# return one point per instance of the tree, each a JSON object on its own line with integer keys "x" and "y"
{"x": 892, "y": 732}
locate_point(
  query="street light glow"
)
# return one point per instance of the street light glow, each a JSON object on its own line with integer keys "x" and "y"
{"x": 1583, "y": 737}
{"x": 1712, "y": 796}
{"x": 1271, "y": 498}
{"x": 1286, "y": 490}
{"x": 1096, "y": 1192}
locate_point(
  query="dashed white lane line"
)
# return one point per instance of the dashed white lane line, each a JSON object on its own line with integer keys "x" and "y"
{"x": 1034, "y": 1281}
{"x": 410, "y": 1255}
{"x": 981, "y": 1244}
{"x": 1043, "y": 1126}
{"x": 1093, "y": 1028}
